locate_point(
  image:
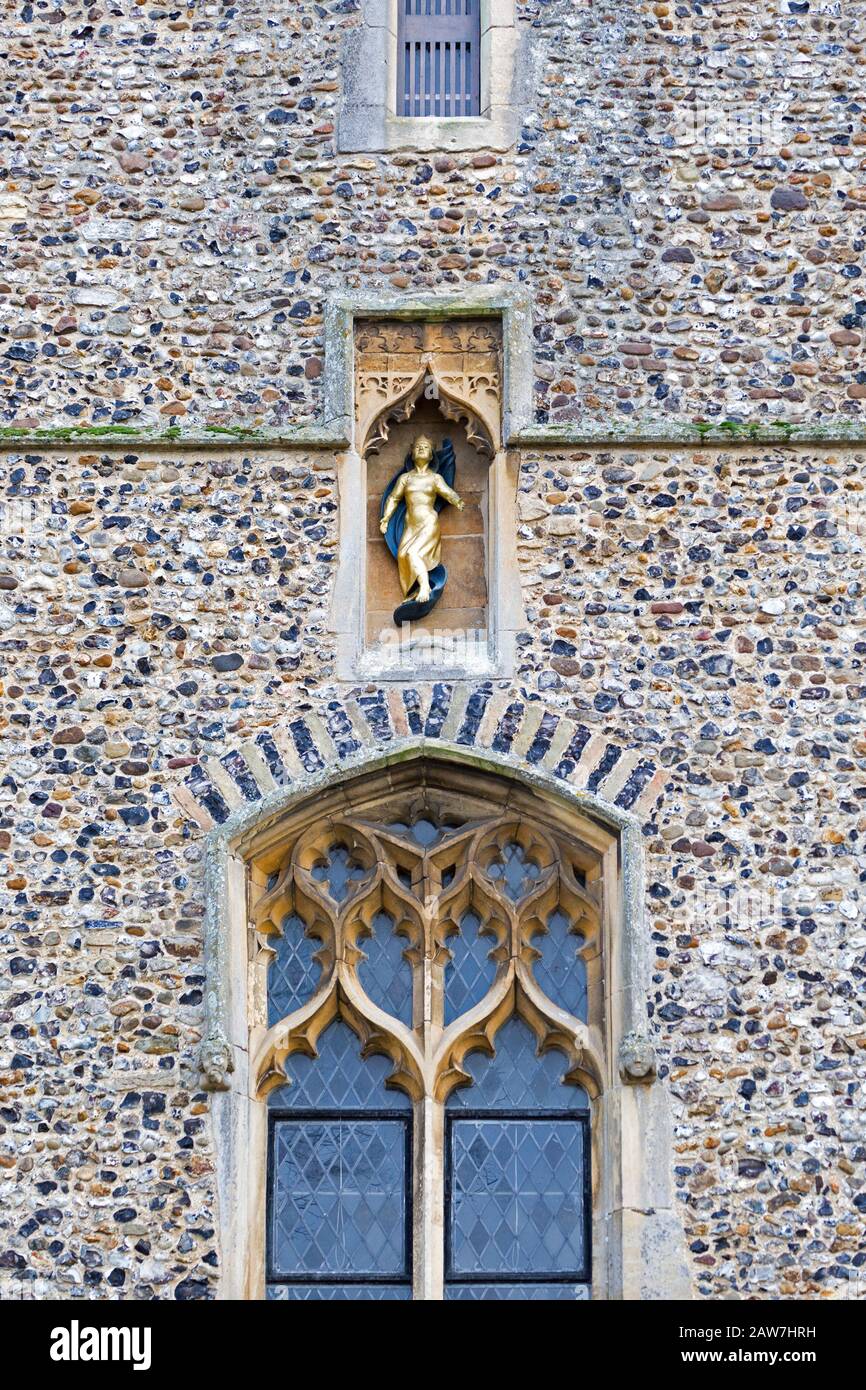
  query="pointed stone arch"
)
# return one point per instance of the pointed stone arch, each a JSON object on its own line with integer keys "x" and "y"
{"x": 456, "y": 402}
{"x": 638, "y": 1239}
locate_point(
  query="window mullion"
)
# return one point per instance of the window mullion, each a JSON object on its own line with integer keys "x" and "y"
{"x": 429, "y": 1191}
{"x": 429, "y": 1166}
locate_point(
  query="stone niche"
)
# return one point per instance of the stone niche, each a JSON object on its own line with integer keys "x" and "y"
{"x": 442, "y": 379}
{"x": 464, "y": 604}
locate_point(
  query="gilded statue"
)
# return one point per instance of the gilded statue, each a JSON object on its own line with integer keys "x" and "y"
{"x": 410, "y": 524}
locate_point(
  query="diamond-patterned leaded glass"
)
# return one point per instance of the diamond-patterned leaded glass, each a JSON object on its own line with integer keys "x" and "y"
{"x": 534, "y": 1293}
{"x": 470, "y": 971}
{"x": 517, "y": 1197}
{"x": 338, "y": 1291}
{"x": 561, "y": 972}
{"x": 385, "y": 973}
{"x": 338, "y": 1205}
{"x": 338, "y": 1079}
{"x": 517, "y": 1078}
{"x": 293, "y": 976}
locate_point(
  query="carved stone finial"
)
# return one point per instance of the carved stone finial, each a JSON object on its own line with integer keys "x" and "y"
{"x": 215, "y": 1059}
{"x": 637, "y": 1059}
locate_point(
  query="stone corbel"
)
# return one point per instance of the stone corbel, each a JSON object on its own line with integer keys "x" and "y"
{"x": 637, "y": 1059}
{"x": 216, "y": 1062}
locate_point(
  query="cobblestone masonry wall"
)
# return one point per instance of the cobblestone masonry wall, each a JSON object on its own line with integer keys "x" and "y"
{"x": 686, "y": 202}
{"x": 694, "y": 651}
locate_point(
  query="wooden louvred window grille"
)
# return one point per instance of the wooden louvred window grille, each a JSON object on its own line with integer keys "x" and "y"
{"x": 438, "y": 44}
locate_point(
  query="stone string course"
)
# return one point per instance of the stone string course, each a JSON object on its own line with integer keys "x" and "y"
{"x": 174, "y": 214}
{"x": 693, "y": 651}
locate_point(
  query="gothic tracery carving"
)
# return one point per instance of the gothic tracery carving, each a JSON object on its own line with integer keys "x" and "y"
{"x": 428, "y": 932}
{"x": 457, "y": 363}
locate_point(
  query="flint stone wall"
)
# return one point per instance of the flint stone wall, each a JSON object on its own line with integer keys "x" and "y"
{"x": 685, "y": 201}
{"x": 693, "y": 653}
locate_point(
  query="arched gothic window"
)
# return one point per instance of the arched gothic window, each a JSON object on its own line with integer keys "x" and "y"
{"x": 428, "y": 983}
{"x": 430, "y": 974}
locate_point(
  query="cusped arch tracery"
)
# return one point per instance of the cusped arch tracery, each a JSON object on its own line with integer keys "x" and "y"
{"x": 425, "y": 917}
{"x": 456, "y": 364}
{"x": 390, "y": 400}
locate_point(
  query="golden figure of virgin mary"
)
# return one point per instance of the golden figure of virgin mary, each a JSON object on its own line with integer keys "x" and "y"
{"x": 410, "y": 524}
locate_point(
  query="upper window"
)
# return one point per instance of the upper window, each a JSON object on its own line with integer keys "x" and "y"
{"x": 432, "y": 75}
{"x": 439, "y": 65}
{"x": 433, "y": 980}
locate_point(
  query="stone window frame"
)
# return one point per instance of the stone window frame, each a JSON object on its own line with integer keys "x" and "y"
{"x": 638, "y": 1249}
{"x": 368, "y": 120}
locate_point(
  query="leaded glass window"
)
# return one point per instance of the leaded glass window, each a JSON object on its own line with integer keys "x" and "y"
{"x": 431, "y": 984}
{"x": 339, "y": 1157}
{"x": 517, "y": 1175}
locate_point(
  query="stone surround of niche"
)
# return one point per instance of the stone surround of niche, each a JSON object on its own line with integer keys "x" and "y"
{"x": 442, "y": 378}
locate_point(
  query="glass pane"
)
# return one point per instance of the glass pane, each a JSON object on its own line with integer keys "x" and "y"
{"x": 517, "y": 1197}
{"x": 424, "y": 832}
{"x": 513, "y": 872}
{"x": 470, "y": 972}
{"x": 338, "y": 1079}
{"x": 517, "y": 1078}
{"x": 560, "y": 972}
{"x": 339, "y": 1197}
{"x": 294, "y": 976}
{"x": 335, "y": 1291}
{"x": 339, "y": 872}
{"x": 385, "y": 974}
{"x": 536, "y": 1293}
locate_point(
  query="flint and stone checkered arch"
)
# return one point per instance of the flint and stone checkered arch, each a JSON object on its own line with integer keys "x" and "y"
{"x": 438, "y": 57}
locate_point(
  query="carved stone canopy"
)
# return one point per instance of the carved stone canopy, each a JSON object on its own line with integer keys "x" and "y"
{"x": 458, "y": 364}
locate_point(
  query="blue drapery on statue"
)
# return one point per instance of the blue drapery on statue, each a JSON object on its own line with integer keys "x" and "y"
{"x": 444, "y": 463}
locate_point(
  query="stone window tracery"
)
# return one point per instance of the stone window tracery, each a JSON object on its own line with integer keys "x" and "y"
{"x": 408, "y": 962}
